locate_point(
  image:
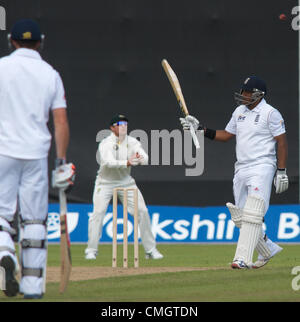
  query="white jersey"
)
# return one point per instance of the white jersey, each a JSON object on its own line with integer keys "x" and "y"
{"x": 255, "y": 131}
{"x": 29, "y": 89}
{"x": 113, "y": 160}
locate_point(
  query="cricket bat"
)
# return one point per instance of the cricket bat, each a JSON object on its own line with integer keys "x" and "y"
{"x": 65, "y": 245}
{"x": 178, "y": 93}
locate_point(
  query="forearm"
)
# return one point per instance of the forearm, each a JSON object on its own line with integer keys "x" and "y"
{"x": 282, "y": 154}
{"x": 218, "y": 135}
{"x": 62, "y": 135}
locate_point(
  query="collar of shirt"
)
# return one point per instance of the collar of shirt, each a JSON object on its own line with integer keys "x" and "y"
{"x": 257, "y": 108}
{"x": 116, "y": 138}
{"x": 25, "y": 52}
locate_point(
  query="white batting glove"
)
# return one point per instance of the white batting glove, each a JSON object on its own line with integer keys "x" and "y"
{"x": 281, "y": 181}
{"x": 189, "y": 121}
{"x": 63, "y": 176}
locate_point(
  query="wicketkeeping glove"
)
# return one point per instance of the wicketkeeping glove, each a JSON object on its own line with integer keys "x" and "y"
{"x": 63, "y": 176}
{"x": 281, "y": 181}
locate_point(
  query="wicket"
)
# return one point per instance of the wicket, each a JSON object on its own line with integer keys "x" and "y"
{"x": 125, "y": 222}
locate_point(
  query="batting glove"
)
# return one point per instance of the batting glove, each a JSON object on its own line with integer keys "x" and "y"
{"x": 281, "y": 181}
{"x": 63, "y": 176}
{"x": 189, "y": 121}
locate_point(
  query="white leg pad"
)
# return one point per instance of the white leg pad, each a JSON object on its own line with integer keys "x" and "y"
{"x": 33, "y": 258}
{"x": 250, "y": 231}
{"x": 236, "y": 214}
{"x": 262, "y": 246}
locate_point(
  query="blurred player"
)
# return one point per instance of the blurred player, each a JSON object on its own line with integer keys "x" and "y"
{"x": 258, "y": 127}
{"x": 29, "y": 88}
{"x": 118, "y": 153}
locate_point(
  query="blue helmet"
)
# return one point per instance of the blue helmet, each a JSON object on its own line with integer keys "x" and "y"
{"x": 254, "y": 85}
{"x": 26, "y": 29}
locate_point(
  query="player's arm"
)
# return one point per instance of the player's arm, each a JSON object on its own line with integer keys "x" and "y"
{"x": 282, "y": 151}
{"x": 108, "y": 159}
{"x": 222, "y": 135}
{"x": 216, "y": 135}
{"x": 141, "y": 154}
{"x": 62, "y": 133}
{"x": 277, "y": 128}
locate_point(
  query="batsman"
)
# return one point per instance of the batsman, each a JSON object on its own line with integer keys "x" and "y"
{"x": 261, "y": 152}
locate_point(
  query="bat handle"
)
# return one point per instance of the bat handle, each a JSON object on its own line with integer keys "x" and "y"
{"x": 62, "y": 201}
{"x": 194, "y": 136}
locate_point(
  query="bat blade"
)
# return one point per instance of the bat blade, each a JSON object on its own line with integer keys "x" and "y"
{"x": 180, "y": 98}
{"x": 65, "y": 245}
{"x": 175, "y": 85}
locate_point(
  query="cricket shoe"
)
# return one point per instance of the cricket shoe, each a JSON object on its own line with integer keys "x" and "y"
{"x": 239, "y": 264}
{"x": 11, "y": 284}
{"x": 90, "y": 255}
{"x": 274, "y": 249}
{"x": 154, "y": 254}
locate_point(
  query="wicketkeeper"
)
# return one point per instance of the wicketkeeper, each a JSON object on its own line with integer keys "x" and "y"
{"x": 258, "y": 128}
{"x": 118, "y": 153}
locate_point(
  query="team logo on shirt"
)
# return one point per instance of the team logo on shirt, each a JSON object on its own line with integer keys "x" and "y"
{"x": 241, "y": 118}
{"x": 256, "y": 119}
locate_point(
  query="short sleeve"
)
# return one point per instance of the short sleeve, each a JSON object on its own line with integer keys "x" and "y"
{"x": 59, "y": 99}
{"x": 231, "y": 126}
{"x": 276, "y": 123}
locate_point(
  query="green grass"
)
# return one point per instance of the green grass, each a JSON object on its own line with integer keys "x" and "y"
{"x": 270, "y": 283}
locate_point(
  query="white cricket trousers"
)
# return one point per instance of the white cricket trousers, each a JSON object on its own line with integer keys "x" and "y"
{"x": 25, "y": 181}
{"x": 255, "y": 180}
{"x": 101, "y": 198}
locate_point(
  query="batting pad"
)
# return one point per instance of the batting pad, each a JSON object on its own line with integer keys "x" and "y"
{"x": 262, "y": 247}
{"x": 249, "y": 235}
{"x": 236, "y": 214}
{"x": 250, "y": 231}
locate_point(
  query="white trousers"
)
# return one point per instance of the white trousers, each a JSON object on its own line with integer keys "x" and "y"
{"x": 253, "y": 180}
{"x": 101, "y": 198}
{"x": 25, "y": 181}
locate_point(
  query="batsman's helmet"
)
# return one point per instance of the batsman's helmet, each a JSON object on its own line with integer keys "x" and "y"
{"x": 253, "y": 85}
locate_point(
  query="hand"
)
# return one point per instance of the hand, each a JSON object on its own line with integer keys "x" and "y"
{"x": 281, "y": 181}
{"x": 133, "y": 160}
{"x": 189, "y": 121}
{"x": 63, "y": 176}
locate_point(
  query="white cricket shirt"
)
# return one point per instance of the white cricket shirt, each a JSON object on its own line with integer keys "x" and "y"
{"x": 113, "y": 159}
{"x": 255, "y": 131}
{"x": 29, "y": 89}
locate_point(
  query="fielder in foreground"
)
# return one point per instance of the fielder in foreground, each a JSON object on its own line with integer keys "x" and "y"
{"x": 118, "y": 153}
{"x": 30, "y": 90}
{"x": 258, "y": 128}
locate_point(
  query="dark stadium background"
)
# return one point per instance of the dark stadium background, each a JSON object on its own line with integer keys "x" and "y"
{"x": 109, "y": 54}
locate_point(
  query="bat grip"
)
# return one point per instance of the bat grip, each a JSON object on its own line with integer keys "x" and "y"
{"x": 194, "y": 136}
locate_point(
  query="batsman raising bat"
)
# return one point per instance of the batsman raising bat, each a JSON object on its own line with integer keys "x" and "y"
{"x": 258, "y": 128}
